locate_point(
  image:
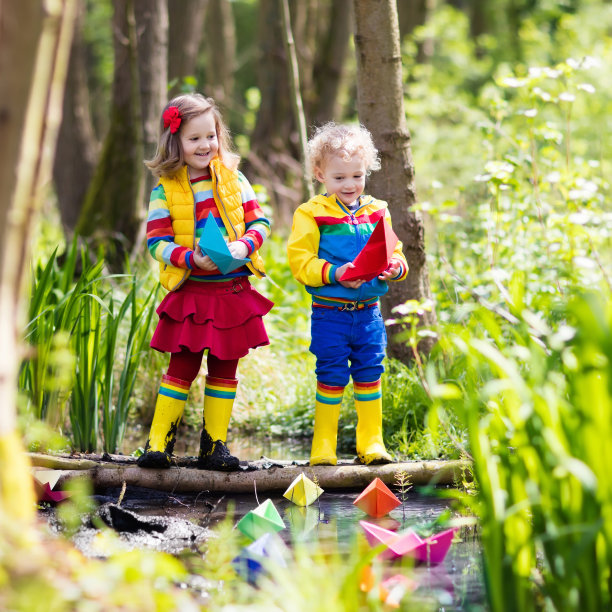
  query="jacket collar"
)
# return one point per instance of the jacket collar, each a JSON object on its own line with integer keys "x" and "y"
{"x": 330, "y": 200}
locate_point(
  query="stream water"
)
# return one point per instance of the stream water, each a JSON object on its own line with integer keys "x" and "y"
{"x": 179, "y": 523}
{"x": 183, "y": 522}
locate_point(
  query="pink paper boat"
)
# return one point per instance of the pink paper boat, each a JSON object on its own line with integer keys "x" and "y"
{"x": 432, "y": 549}
{"x": 398, "y": 544}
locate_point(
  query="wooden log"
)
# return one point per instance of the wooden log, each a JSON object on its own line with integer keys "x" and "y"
{"x": 275, "y": 478}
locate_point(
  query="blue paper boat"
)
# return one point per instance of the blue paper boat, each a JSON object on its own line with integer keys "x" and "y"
{"x": 263, "y": 554}
{"x": 213, "y": 244}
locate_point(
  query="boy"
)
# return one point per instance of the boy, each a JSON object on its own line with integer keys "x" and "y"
{"x": 348, "y": 336}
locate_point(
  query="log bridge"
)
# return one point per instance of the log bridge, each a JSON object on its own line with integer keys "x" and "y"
{"x": 107, "y": 471}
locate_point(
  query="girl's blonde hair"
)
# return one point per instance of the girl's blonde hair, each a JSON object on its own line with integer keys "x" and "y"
{"x": 168, "y": 159}
{"x": 344, "y": 141}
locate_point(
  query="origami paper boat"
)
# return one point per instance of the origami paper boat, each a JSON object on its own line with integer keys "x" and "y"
{"x": 44, "y": 483}
{"x": 213, "y": 244}
{"x": 377, "y": 499}
{"x": 302, "y": 491}
{"x": 432, "y": 549}
{"x": 375, "y": 256}
{"x": 264, "y": 519}
{"x": 266, "y": 550}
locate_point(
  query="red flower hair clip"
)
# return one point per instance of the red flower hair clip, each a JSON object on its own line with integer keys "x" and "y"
{"x": 172, "y": 119}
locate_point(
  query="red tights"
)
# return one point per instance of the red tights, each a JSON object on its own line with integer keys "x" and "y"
{"x": 186, "y": 366}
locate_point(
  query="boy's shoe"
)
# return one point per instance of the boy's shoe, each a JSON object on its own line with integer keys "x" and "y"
{"x": 214, "y": 455}
{"x": 154, "y": 459}
{"x": 375, "y": 454}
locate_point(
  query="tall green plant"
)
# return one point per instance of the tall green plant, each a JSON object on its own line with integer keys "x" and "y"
{"x": 105, "y": 334}
{"x": 537, "y": 404}
{"x": 116, "y": 397}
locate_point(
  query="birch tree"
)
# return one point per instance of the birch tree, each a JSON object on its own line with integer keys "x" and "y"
{"x": 35, "y": 39}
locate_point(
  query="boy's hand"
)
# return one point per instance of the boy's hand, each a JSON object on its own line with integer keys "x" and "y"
{"x": 238, "y": 249}
{"x": 391, "y": 271}
{"x": 354, "y": 284}
{"x": 204, "y": 262}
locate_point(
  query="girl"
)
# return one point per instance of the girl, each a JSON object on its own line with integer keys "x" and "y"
{"x": 204, "y": 308}
{"x": 348, "y": 335}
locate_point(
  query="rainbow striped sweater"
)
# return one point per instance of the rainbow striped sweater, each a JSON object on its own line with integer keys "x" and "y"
{"x": 160, "y": 233}
{"x": 326, "y": 235}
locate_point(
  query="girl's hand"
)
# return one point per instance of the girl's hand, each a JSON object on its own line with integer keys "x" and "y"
{"x": 204, "y": 262}
{"x": 391, "y": 271}
{"x": 353, "y": 284}
{"x": 238, "y": 249}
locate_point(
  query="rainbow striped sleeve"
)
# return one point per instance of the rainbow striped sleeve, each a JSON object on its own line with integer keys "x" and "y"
{"x": 403, "y": 271}
{"x": 366, "y": 392}
{"x": 328, "y": 273}
{"x": 222, "y": 388}
{"x": 160, "y": 235}
{"x": 328, "y": 394}
{"x": 257, "y": 225}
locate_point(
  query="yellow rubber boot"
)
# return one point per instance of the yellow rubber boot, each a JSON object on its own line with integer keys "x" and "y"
{"x": 327, "y": 411}
{"x": 168, "y": 412}
{"x": 368, "y": 403}
{"x": 219, "y": 395}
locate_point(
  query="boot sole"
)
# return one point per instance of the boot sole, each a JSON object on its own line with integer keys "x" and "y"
{"x": 154, "y": 459}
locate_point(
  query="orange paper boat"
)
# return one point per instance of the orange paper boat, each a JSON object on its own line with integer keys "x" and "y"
{"x": 429, "y": 550}
{"x": 377, "y": 499}
{"x": 375, "y": 256}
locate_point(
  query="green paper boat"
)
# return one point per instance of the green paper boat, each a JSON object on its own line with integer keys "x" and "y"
{"x": 264, "y": 519}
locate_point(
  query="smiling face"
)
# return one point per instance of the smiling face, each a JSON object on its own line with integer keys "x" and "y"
{"x": 344, "y": 178}
{"x": 199, "y": 143}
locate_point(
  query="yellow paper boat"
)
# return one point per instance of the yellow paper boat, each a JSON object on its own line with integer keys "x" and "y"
{"x": 302, "y": 491}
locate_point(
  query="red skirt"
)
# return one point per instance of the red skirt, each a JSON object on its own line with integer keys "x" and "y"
{"x": 224, "y": 317}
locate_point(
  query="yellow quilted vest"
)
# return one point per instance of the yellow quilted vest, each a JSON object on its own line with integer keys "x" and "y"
{"x": 181, "y": 203}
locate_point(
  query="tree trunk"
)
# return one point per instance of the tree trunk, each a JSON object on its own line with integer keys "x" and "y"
{"x": 112, "y": 208}
{"x": 77, "y": 145}
{"x": 186, "y": 28}
{"x": 381, "y": 110}
{"x": 274, "y": 151}
{"x": 330, "y": 62}
{"x": 220, "y": 44}
{"x": 34, "y": 54}
{"x": 152, "y": 29}
{"x": 296, "y": 94}
{"x": 183, "y": 478}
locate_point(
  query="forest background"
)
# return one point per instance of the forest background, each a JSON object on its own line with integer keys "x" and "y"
{"x": 507, "y": 104}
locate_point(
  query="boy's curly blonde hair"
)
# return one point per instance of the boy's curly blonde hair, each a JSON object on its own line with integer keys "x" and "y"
{"x": 344, "y": 141}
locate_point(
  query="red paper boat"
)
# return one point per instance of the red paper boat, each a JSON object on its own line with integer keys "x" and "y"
{"x": 375, "y": 256}
{"x": 377, "y": 499}
{"x": 46, "y": 493}
{"x": 44, "y": 483}
{"x": 432, "y": 549}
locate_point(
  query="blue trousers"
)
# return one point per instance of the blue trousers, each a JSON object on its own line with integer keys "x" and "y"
{"x": 348, "y": 343}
